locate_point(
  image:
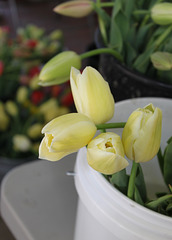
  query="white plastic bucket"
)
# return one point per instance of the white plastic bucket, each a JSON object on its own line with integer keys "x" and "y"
{"x": 105, "y": 213}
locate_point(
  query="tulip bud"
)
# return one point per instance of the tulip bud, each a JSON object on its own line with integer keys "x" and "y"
{"x": 56, "y": 35}
{"x": 57, "y": 70}
{"x": 141, "y": 136}
{"x": 22, "y": 94}
{"x": 92, "y": 95}
{"x": 162, "y": 13}
{"x": 21, "y": 143}
{"x": 46, "y": 106}
{"x": 4, "y": 119}
{"x": 66, "y": 134}
{"x": 162, "y": 60}
{"x": 75, "y": 8}
{"x": 105, "y": 153}
{"x": 11, "y": 108}
{"x": 35, "y": 130}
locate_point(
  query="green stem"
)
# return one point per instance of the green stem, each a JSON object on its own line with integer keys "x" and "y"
{"x": 100, "y": 51}
{"x": 132, "y": 178}
{"x": 106, "y": 4}
{"x": 141, "y": 12}
{"x": 163, "y": 36}
{"x": 110, "y": 125}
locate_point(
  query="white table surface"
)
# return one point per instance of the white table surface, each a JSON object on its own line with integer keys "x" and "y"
{"x": 38, "y": 200}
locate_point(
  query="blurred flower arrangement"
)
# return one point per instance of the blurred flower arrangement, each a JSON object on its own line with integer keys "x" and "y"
{"x": 24, "y": 105}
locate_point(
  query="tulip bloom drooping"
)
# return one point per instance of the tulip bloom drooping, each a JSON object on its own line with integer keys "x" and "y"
{"x": 141, "y": 136}
{"x": 105, "y": 153}
{"x": 66, "y": 134}
{"x": 92, "y": 95}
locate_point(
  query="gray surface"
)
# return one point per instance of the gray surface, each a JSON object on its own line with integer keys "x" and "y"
{"x": 38, "y": 200}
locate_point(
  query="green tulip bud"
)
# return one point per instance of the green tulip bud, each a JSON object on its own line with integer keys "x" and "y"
{"x": 162, "y": 13}
{"x": 141, "y": 136}
{"x": 75, "y": 8}
{"x": 57, "y": 70}
{"x": 162, "y": 60}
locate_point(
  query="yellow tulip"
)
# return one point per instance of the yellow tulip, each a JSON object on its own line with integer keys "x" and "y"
{"x": 34, "y": 131}
{"x": 92, "y": 95}
{"x": 76, "y": 8}
{"x": 11, "y": 108}
{"x": 21, "y": 143}
{"x": 57, "y": 69}
{"x": 4, "y": 119}
{"x": 66, "y": 134}
{"x": 142, "y": 134}
{"x": 22, "y": 94}
{"x": 105, "y": 153}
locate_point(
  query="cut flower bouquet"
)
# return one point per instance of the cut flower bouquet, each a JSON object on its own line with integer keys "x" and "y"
{"x": 141, "y": 139}
{"x": 24, "y": 104}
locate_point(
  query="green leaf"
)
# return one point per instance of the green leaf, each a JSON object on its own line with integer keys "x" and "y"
{"x": 143, "y": 60}
{"x": 116, "y": 40}
{"x": 117, "y": 7}
{"x": 129, "y": 7}
{"x": 120, "y": 181}
{"x": 141, "y": 36}
{"x": 140, "y": 184}
{"x": 130, "y": 54}
{"x": 137, "y": 197}
{"x": 160, "y": 160}
{"x": 168, "y": 163}
{"x": 154, "y": 204}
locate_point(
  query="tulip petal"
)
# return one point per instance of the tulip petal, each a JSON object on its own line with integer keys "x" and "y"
{"x": 44, "y": 152}
{"x": 142, "y": 134}
{"x": 105, "y": 153}
{"x": 66, "y": 134}
{"x": 92, "y": 95}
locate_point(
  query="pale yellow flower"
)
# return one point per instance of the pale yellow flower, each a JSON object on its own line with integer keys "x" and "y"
{"x": 4, "y": 119}
{"x": 22, "y": 94}
{"x": 34, "y": 131}
{"x": 105, "y": 153}
{"x": 92, "y": 95}
{"x": 11, "y": 108}
{"x": 141, "y": 136}
{"x": 66, "y": 134}
{"x": 21, "y": 143}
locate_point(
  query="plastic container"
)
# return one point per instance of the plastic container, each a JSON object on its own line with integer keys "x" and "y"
{"x": 105, "y": 213}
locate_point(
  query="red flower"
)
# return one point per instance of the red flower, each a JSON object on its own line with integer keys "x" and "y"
{"x": 56, "y": 90}
{"x": 34, "y": 71}
{"x": 1, "y": 67}
{"x": 37, "y": 97}
{"x": 31, "y": 43}
{"x": 67, "y": 100}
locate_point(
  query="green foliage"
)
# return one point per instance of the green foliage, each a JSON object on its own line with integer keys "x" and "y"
{"x": 132, "y": 32}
